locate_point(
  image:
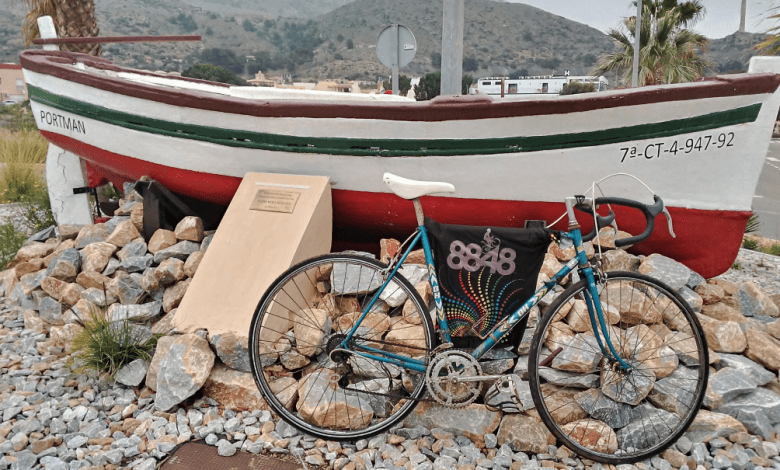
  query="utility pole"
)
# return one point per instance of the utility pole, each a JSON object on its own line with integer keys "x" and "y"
{"x": 742, "y": 17}
{"x": 637, "y": 44}
{"x": 452, "y": 47}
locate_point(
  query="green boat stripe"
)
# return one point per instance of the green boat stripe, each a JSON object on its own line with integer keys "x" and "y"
{"x": 396, "y": 147}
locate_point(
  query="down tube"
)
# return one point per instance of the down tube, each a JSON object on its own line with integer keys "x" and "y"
{"x": 506, "y": 326}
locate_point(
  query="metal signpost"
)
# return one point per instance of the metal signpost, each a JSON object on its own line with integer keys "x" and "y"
{"x": 396, "y": 48}
{"x": 637, "y": 44}
{"x": 452, "y": 46}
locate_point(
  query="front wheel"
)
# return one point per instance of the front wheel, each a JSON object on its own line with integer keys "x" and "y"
{"x": 306, "y": 374}
{"x": 598, "y": 409}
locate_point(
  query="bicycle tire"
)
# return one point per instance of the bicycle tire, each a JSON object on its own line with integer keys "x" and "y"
{"x": 295, "y": 376}
{"x": 615, "y": 417}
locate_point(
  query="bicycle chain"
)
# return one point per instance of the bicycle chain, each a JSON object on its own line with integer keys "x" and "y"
{"x": 428, "y": 354}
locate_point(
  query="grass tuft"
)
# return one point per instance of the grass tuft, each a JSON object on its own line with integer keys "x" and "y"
{"x": 104, "y": 346}
{"x": 20, "y": 153}
{"x": 10, "y": 242}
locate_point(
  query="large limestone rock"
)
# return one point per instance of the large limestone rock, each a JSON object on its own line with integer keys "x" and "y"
{"x": 633, "y": 305}
{"x": 763, "y": 349}
{"x": 592, "y": 434}
{"x": 123, "y": 234}
{"x": 183, "y": 371}
{"x": 173, "y": 295}
{"x": 96, "y": 256}
{"x": 132, "y": 374}
{"x": 139, "y": 312}
{"x": 91, "y": 234}
{"x": 524, "y": 433}
{"x": 161, "y": 240}
{"x": 66, "y": 266}
{"x": 233, "y": 350}
{"x": 619, "y": 260}
{"x": 136, "y": 247}
{"x": 721, "y": 311}
{"x": 320, "y": 405}
{"x": 708, "y": 425}
{"x": 33, "y": 250}
{"x": 473, "y": 421}
{"x": 233, "y": 389}
{"x": 752, "y": 301}
{"x": 311, "y": 326}
{"x": 63, "y": 336}
{"x": 667, "y": 270}
{"x": 169, "y": 272}
{"x": 181, "y": 250}
{"x": 723, "y": 336}
{"x": 163, "y": 345}
{"x": 190, "y": 228}
{"x": 406, "y": 338}
{"x": 89, "y": 280}
{"x": 192, "y": 263}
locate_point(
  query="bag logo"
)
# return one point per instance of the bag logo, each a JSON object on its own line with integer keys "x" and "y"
{"x": 471, "y": 257}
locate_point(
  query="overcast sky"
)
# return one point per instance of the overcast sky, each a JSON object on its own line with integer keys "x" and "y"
{"x": 721, "y": 16}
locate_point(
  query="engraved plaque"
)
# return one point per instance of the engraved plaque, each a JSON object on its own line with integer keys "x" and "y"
{"x": 275, "y": 200}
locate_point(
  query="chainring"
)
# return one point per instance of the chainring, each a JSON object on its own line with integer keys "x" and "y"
{"x": 441, "y": 378}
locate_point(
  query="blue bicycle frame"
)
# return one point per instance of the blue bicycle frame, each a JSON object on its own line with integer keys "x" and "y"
{"x": 505, "y": 326}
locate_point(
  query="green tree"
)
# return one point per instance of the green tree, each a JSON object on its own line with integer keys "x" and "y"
{"x": 404, "y": 83}
{"x": 669, "y": 52}
{"x": 224, "y": 58}
{"x": 430, "y": 86}
{"x": 350, "y": 44}
{"x": 248, "y": 26}
{"x": 213, "y": 73}
{"x": 436, "y": 59}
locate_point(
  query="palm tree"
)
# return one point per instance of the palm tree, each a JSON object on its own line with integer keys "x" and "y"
{"x": 669, "y": 52}
{"x": 771, "y": 45}
{"x": 72, "y": 18}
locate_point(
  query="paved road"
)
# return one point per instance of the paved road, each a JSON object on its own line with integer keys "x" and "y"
{"x": 766, "y": 202}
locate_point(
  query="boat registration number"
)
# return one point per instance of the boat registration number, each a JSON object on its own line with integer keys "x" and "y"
{"x": 690, "y": 145}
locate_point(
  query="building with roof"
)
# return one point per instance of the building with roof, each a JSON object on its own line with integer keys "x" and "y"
{"x": 12, "y": 86}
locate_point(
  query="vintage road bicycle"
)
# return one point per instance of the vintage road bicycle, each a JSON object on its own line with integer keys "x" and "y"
{"x": 343, "y": 346}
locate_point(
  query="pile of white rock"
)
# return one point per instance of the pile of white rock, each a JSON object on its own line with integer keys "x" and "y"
{"x": 198, "y": 386}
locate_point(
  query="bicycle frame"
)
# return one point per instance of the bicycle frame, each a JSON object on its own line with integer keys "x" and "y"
{"x": 503, "y": 327}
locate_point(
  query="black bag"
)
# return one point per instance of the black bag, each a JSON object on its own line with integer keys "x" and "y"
{"x": 485, "y": 274}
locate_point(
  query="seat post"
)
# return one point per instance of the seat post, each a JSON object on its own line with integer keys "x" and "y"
{"x": 418, "y": 211}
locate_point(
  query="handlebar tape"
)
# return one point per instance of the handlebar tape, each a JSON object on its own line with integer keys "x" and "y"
{"x": 649, "y": 211}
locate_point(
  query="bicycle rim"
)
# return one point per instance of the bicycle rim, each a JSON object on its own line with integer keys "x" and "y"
{"x": 592, "y": 406}
{"x": 304, "y": 374}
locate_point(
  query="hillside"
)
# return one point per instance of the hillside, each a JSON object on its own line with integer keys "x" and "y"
{"x": 500, "y": 38}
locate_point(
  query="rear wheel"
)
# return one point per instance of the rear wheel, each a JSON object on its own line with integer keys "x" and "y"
{"x": 587, "y": 401}
{"x": 300, "y": 365}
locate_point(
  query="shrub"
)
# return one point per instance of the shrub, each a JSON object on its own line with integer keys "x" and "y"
{"x": 749, "y": 243}
{"x": 574, "y": 88}
{"x": 10, "y": 241}
{"x": 105, "y": 346}
{"x": 753, "y": 224}
{"x": 214, "y": 73}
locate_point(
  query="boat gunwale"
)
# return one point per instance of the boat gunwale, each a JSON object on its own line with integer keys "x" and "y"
{"x": 445, "y": 108}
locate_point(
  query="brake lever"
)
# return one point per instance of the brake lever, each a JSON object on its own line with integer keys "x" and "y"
{"x": 669, "y": 222}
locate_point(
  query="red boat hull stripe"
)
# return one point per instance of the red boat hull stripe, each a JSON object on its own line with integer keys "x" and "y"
{"x": 707, "y": 241}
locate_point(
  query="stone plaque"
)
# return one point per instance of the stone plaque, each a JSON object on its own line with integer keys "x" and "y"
{"x": 275, "y": 200}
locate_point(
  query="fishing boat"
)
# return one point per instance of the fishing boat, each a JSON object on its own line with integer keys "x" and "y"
{"x": 700, "y": 146}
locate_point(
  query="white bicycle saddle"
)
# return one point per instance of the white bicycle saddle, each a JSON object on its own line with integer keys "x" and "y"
{"x": 412, "y": 189}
